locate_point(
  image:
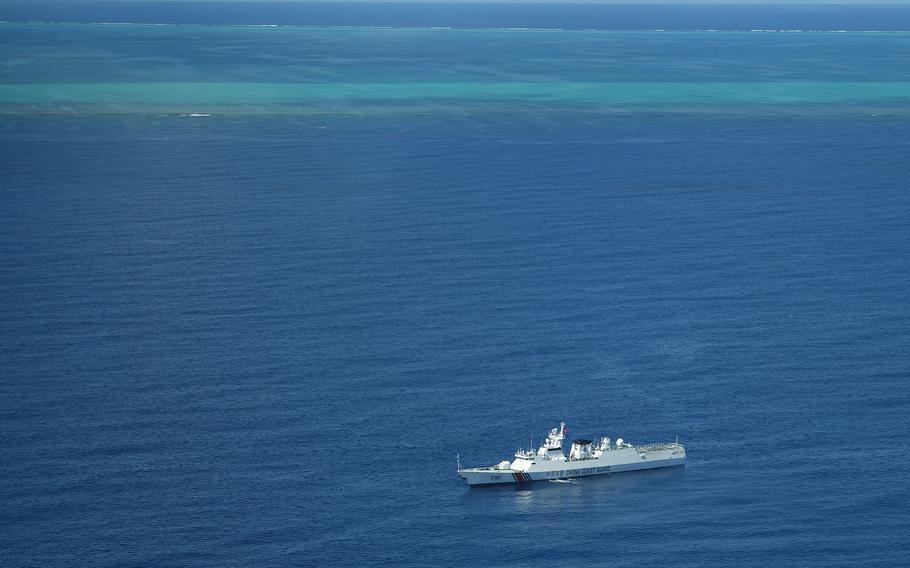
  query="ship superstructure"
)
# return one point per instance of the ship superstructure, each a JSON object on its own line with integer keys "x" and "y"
{"x": 586, "y": 457}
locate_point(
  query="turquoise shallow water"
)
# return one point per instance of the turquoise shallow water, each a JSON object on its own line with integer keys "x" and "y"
{"x": 555, "y": 92}
{"x": 74, "y": 68}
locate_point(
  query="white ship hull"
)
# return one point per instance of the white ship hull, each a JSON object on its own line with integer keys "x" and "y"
{"x": 613, "y": 461}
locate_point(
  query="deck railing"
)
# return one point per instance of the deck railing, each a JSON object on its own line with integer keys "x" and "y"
{"x": 657, "y": 447}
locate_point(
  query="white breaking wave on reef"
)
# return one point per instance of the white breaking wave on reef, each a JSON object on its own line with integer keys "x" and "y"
{"x": 457, "y": 29}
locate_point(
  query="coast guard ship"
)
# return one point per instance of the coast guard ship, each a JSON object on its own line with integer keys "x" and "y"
{"x": 585, "y": 458}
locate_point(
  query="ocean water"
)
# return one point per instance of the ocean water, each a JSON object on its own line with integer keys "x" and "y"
{"x": 261, "y": 337}
{"x": 142, "y": 69}
{"x": 575, "y": 16}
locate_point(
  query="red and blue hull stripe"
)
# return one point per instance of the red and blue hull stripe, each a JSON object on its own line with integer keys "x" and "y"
{"x": 521, "y": 477}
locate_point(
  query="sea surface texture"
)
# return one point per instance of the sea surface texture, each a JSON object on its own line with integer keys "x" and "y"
{"x": 260, "y": 336}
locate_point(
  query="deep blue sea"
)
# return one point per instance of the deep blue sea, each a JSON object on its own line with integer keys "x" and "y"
{"x": 261, "y": 337}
